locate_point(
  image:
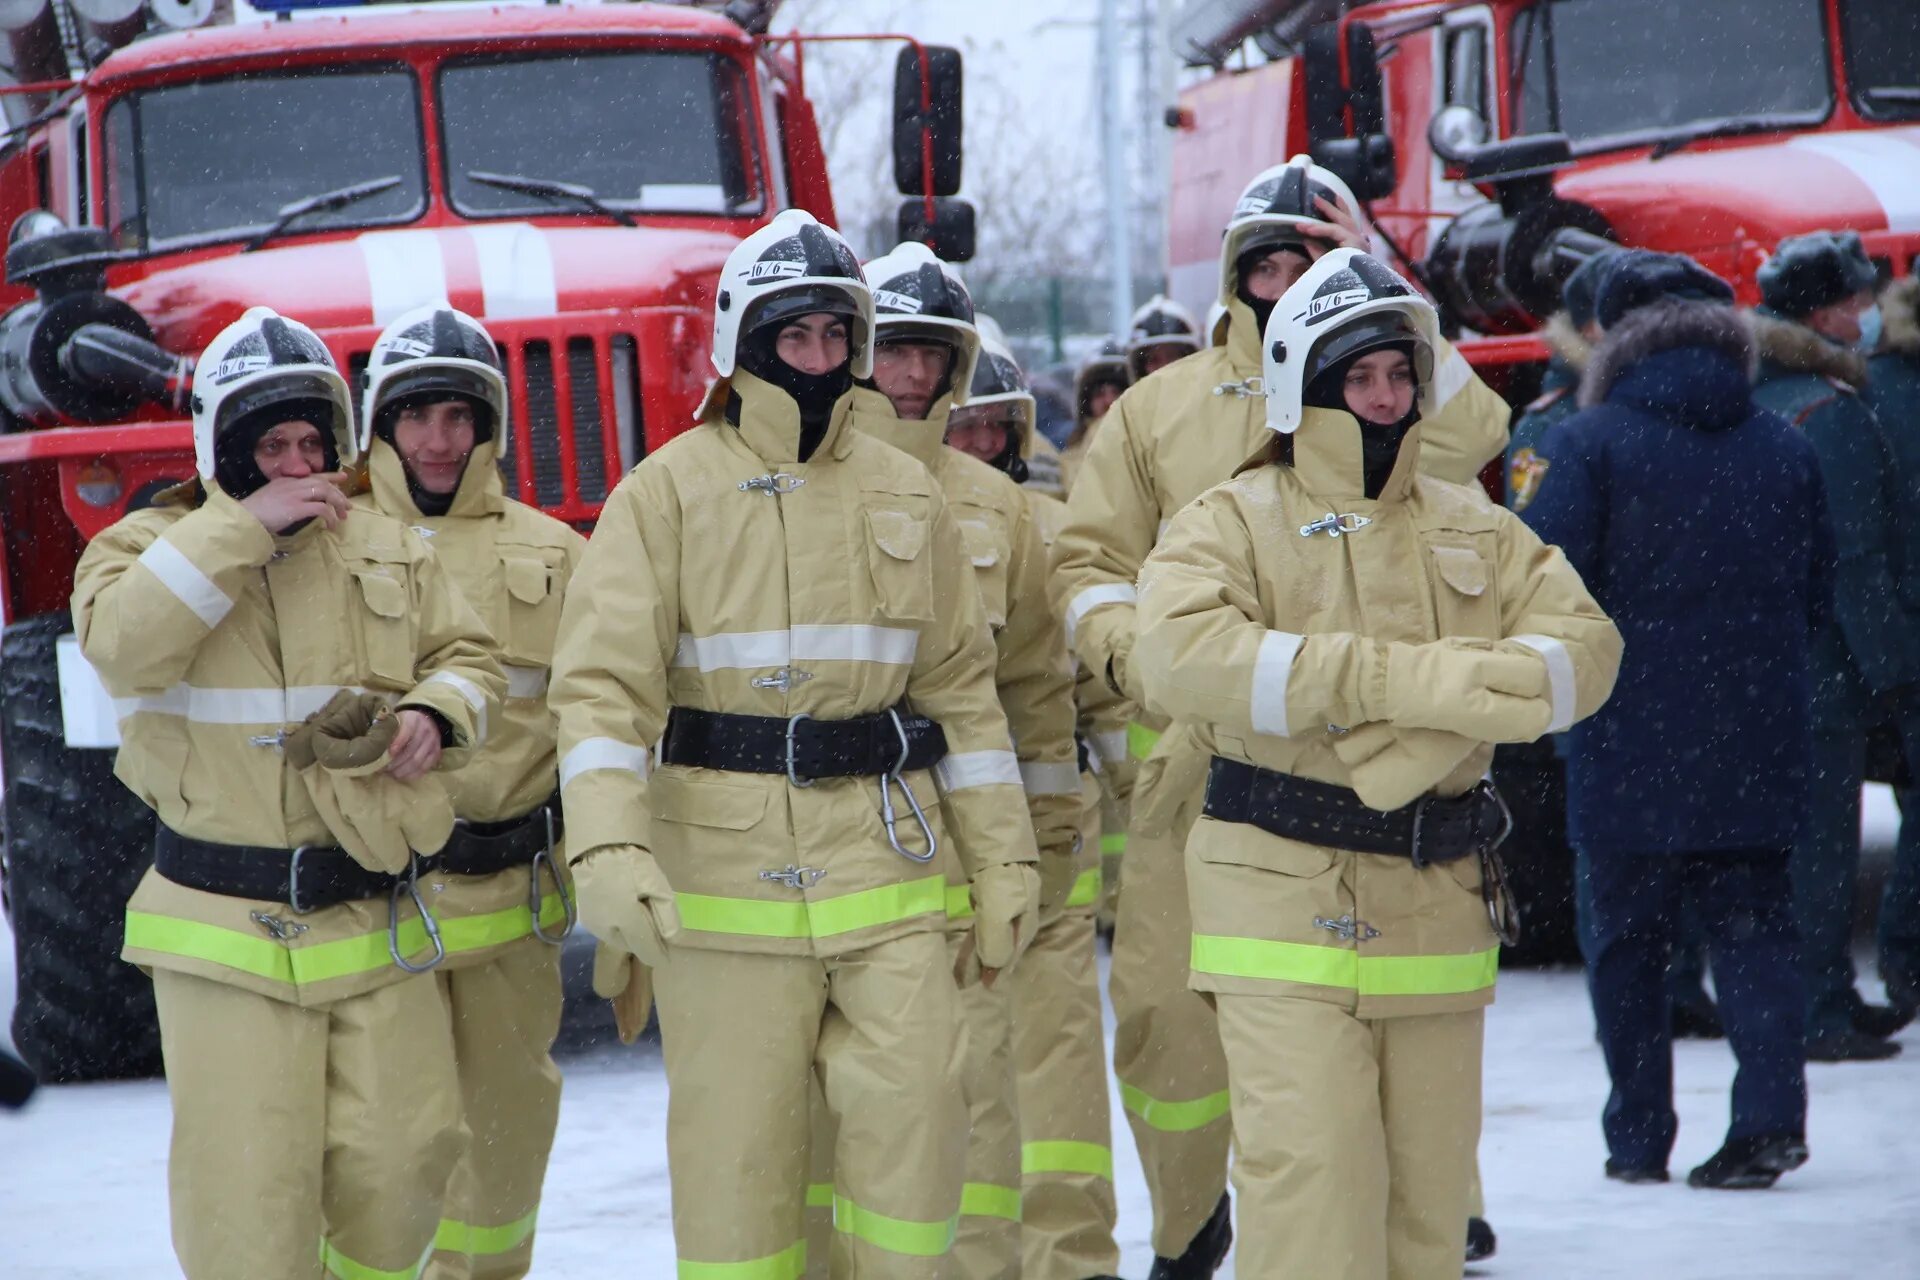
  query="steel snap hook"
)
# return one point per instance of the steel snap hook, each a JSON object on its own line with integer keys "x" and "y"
{"x": 888, "y": 817}
{"x": 409, "y": 885}
{"x": 569, "y": 906}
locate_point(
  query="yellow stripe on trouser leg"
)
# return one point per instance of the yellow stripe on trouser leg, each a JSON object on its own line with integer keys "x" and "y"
{"x": 1341, "y": 1124}
{"x": 1166, "y": 1048}
{"x": 341, "y": 1267}
{"x": 506, "y": 1013}
{"x": 1066, "y": 1161}
{"x": 788, "y": 1264}
{"x": 987, "y": 1246}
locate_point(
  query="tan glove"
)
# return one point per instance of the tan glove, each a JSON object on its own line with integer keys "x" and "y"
{"x": 1006, "y": 913}
{"x": 1056, "y": 882}
{"x": 341, "y": 754}
{"x": 1475, "y": 688}
{"x": 626, "y": 984}
{"x": 626, "y": 902}
{"x": 1393, "y": 767}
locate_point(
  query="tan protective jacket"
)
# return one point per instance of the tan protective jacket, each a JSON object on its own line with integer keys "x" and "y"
{"x": 725, "y": 575}
{"x": 1274, "y": 640}
{"x": 1171, "y": 437}
{"x": 1032, "y": 667}
{"x": 512, "y": 564}
{"x": 214, "y": 637}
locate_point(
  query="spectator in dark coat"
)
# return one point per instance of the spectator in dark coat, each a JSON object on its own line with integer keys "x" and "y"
{"x": 1698, "y": 521}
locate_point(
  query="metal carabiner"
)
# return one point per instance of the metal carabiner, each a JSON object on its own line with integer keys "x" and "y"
{"x": 793, "y": 777}
{"x": 571, "y": 908}
{"x": 887, "y": 815}
{"x": 409, "y": 885}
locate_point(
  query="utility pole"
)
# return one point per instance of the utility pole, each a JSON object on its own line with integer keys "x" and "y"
{"x": 1114, "y": 162}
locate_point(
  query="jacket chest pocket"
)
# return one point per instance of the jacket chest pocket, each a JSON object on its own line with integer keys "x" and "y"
{"x": 899, "y": 564}
{"x": 1466, "y": 599}
{"x": 382, "y": 624}
{"x": 988, "y": 549}
{"x": 533, "y": 611}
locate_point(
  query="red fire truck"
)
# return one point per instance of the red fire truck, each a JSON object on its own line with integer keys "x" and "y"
{"x": 1498, "y": 142}
{"x": 572, "y": 174}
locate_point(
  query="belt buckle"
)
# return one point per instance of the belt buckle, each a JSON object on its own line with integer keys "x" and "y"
{"x": 293, "y": 882}
{"x": 792, "y": 776}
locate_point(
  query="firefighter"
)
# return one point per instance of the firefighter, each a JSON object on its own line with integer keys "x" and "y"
{"x": 1162, "y": 331}
{"x": 435, "y": 415}
{"x": 1817, "y": 293}
{"x": 316, "y": 1114}
{"x": 772, "y": 643}
{"x": 1167, "y": 440}
{"x": 1097, "y": 383}
{"x": 1348, "y": 639}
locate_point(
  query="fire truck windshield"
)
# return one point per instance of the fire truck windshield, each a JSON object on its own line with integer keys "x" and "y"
{"x": 1883, "y": 58}
{"x": 1612, "y": 73}
{"x": 646, "y": 132}
{"x": 218, "y": 159}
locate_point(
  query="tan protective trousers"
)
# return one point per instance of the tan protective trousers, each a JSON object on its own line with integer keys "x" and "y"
{"x": 306, "y": 1142}
{"x": 1113, "y": 850}
{"x": 1066, "y": 1143}
{"x": 505, "y": 1016}
{"x": 1353, "y": 1139}
{"x": 743, "y": 1036}
{"x": 987, "y": 1243}
{"x": 1166, "y": 1047}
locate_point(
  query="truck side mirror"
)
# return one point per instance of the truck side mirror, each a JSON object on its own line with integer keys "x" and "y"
{"x": 1362, "y": 154}
{"x": 951, "y": 234}
{"x": 930, "y": 136}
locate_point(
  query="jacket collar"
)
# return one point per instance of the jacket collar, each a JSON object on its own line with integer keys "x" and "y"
{"x": 770, "y": 421}
{"x": 481, "y": 491}
{"x": 1793, "y": 347}
{"x": 1243, "y": 339}
{"x": 873, "y": 414}
{"x": 1900, "y": 310}
{"x": 1329, "y": 462}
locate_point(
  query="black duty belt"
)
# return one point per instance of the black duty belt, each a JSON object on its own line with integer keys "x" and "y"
{"x": 1429, "y": 830}
{"x": 306, "y": 879}
{"x": 1085, "y": 753}
{"x": 802, "y": 747}
{"x": 482, "y": 848}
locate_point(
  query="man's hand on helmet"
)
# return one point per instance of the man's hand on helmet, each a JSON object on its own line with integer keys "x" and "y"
{"x": 288, "y": 500}
{"x": 1338, "y": 231}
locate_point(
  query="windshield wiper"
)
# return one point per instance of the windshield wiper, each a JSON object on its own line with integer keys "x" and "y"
{"x": 1894, "y": 92}
{"x": 555, "y": 190}
{"x": 1726, "y": 127}
{"x": 325, "y": 202}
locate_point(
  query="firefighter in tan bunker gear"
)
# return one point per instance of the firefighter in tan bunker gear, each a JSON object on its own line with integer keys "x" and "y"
{"x": 434, "y": 423}
{"x": 782, "y": 610}
{"x": 1347, "y": 639}
{"x": 316, "y": 1113}
{"x": 1167, "y": 440}
{"x": 925, "y": 349}
{"x": 1068, "y": 1208}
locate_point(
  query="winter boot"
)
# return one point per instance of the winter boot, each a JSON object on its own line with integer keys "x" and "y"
{"x": 1628, "y": 1174}
{"x": 1850, "y": 1046}
{"x": 1480, "y": 1240}
{"x": 1750, "y": 1164}
{"x": 1206, "y": 1252}
{"x": 1879, "y": 1020}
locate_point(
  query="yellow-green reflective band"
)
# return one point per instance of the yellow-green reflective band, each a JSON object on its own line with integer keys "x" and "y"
{"x": 1114, "y": 844}
{"x": 984, "y": 1200}
{"x": 822, "y": 918}
{"x": 1140, "y": 740}
{"x": 895, "y": 1235}
{"x": 341, "y": 1267}
{"x": 471, "y": 933}
{"x": 819, "y": 1195}
{"x": 959, "y": 902}
{"x": 464, "y": 1237}
{"x": 1086, "y": 889}
{"x": 1067, "y": 1157}
{"x": 1175, "y": 1117}
{"x": 788, "y": 1264}
{"x": 1339, "y": 967}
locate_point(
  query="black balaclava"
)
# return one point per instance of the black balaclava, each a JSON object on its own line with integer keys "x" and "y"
{"x": 1379, "y": 441}
{"x": 815, "y": 393}
{"x": 234, "y": 469}
{"x": 1262, "y": 308}
{"x": 429, "y": 502}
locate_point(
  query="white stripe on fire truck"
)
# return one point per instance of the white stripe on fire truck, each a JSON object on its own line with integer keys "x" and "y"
{"x": 516, "y": 271}
{"x": 1887, "y": 164}
{"x": 405, "y": 269}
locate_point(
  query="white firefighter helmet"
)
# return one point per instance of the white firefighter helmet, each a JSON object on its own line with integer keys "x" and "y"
{"x": 1216, "y": 323}
{"x": 793, "y": 266}
{"x": 1272, "y": 208}
{"x": 917, "y": 297}
{"x": 1346, "y": 304}
{"x": 1108, "y": 364}
{"x": 999, "y": 384}
{"x": 434, "y": 351}
{"x": 260, "y": 360}
{"x": 1161, "y": 322}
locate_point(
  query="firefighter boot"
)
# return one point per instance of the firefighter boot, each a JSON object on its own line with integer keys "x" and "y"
{"x": 1208, "y": 1250}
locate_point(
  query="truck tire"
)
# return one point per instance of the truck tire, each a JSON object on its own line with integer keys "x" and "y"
{"x": 77, "y": 842}
{"x": 1538, "y": 859}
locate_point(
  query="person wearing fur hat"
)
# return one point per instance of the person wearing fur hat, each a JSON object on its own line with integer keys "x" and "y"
{"x": 1893, "y": 393}
{"x": 1570, "y": 334}
{"x": 1817, "y": 321}
{"x": 1699, "y": 521}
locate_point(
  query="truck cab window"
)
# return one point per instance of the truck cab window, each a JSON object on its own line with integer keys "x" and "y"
{"x": 1883, "y": 58}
